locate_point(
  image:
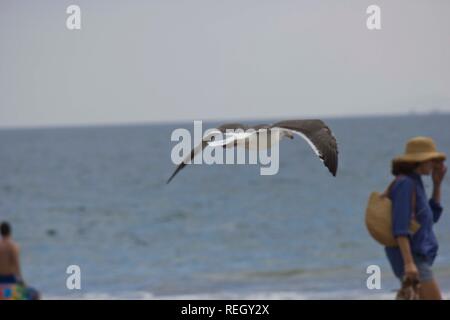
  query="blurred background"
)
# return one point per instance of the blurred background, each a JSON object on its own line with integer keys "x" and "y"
{"x": 85, "y": 124}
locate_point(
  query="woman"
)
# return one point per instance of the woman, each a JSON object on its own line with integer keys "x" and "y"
{"x": 414, "y": 256}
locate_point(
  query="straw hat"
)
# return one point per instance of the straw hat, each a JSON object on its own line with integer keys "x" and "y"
{"x": 420, "y": 149}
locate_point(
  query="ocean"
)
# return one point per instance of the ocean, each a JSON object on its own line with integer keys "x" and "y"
{"x": 96, "y": 197}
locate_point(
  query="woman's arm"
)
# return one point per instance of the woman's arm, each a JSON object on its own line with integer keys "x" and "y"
{"x": 411, "y": 271}
{"x": 436, "y": 193}
{"x": 402, "y": 209}
{"x": 439, "y": 170}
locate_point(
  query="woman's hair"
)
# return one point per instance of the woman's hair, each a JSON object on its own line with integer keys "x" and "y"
{"x": 403, "y": 168}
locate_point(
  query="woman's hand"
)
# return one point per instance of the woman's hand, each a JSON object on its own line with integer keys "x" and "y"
{"x": 411, "y": 271}
{"x": 439, "y": 171}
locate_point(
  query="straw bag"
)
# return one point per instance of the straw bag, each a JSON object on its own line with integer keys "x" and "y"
{"x": 379, "y": 217}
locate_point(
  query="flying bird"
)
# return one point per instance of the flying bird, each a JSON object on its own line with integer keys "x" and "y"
{"x": 316, "y": 133}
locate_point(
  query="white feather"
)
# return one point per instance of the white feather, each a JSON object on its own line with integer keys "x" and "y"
{"x": 316, "y": 151}
{"x": 230, "y": 138}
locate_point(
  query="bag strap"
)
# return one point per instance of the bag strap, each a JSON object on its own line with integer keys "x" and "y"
{"x": 413, "y": 199}
{"x": 389, "y": 188}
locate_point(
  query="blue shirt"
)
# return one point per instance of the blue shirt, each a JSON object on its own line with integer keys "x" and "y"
{"x": 423, "y": 243}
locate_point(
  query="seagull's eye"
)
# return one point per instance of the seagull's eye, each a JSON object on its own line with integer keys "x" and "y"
{"x": 212, "y": 138}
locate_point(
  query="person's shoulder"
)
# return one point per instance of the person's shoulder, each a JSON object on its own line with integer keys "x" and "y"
{"x": 405, "y": 179}
{"x": 9, "y": 245}
{"x": 403, "y": 182}
{"x": 15, "y": 246}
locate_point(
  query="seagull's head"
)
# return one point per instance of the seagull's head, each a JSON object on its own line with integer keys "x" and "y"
{"x": 289, "y": 135}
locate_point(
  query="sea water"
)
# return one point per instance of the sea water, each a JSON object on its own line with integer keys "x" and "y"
{"x": 96, "y": 197}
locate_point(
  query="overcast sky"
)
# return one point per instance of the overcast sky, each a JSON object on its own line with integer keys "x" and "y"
{"x": 168, "y": 60}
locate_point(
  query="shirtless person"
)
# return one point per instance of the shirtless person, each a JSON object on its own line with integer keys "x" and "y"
{"x": 9, "y": 257}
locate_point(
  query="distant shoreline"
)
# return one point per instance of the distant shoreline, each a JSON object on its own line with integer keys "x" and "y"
{"x": 243, "y": 119}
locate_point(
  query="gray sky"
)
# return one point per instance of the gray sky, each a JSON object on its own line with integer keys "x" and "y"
{"x": 167, "y": 60}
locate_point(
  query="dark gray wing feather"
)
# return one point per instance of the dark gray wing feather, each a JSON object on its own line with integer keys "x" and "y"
{"x": 319, "y": 135}
{"x": 223, "y": 128}
{"x": 188, "y": 159}
{"x": 231, "y": 126}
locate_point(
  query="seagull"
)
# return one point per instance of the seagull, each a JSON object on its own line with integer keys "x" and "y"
{"x": 316, "y": 133}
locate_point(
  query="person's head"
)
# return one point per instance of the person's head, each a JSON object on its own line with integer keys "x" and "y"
{"x": 403, "y": 168}
{"x": 420, "y": 156}
{"x": 407, "y": 168}
{"x": 5, "y": 229}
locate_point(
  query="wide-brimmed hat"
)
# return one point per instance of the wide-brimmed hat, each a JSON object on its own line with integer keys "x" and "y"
{"x": 420, "y": 149}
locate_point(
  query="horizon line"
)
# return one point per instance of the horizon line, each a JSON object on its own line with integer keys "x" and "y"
{"x": 226, "y": 119}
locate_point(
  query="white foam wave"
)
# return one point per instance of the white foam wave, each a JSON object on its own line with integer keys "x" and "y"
{"x": 281, "y": 295}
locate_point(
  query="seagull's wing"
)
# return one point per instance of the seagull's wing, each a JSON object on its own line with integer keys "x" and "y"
{"x": 232, "y": 133}
{"x": 189, "y": 158}
{"x": 229, "y": 138}
{"x": 232, "y": 126}
{"x": 318, "y": 136}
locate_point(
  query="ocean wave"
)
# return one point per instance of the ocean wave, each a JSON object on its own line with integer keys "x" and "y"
{"x": 280, "y": 295}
